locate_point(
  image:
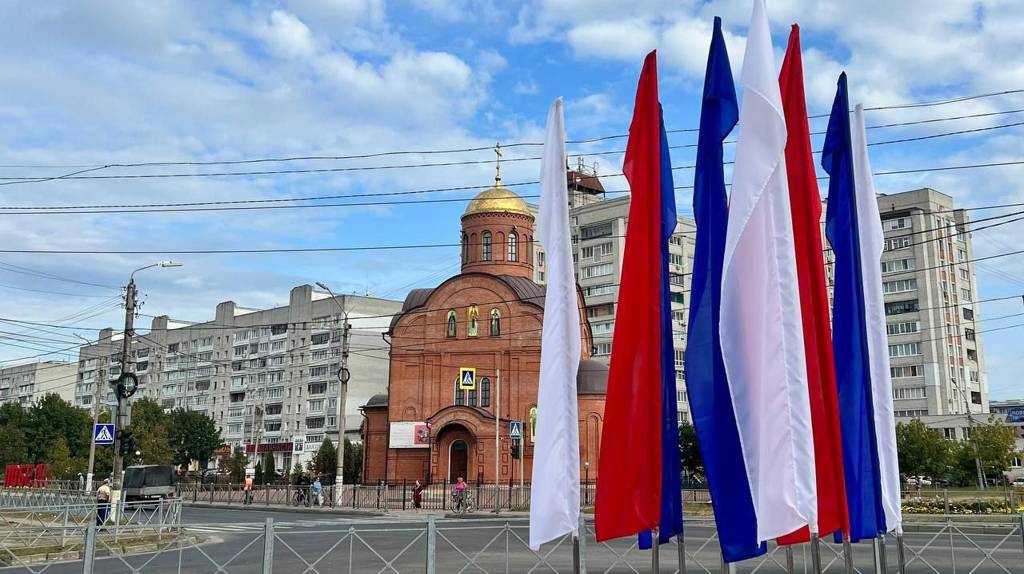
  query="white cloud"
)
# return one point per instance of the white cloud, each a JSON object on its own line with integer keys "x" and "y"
{"x": 618, "y": 40}
{"x": 287, "y": 35}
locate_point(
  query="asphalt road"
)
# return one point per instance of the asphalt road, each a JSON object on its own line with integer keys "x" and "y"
{"x": 304, "y": 542}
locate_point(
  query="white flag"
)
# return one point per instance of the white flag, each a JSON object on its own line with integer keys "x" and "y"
{"x": 761, "y": 327}
{"x": 555, "y": 490}
{"x": 872, "y": 242}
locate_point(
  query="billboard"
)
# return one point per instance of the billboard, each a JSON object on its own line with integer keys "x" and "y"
{"x": 1015, "y": 415}
{"x": 409, "y": 435}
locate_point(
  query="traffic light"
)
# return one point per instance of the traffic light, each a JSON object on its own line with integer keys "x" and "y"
{"x": 515, "y": 449}
{"x": 127, "y": 446}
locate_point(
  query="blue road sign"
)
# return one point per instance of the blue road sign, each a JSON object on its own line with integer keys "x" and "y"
{"x": 467, "y": 378}
{"x": 515, "y": 430}
{"x": 103, "y": 433}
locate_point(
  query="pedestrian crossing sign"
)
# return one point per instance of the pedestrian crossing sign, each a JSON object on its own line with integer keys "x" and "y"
{"x": 467, "y": 378}
{"x": 515, "y": 430}
{"x": 103, "y": 433}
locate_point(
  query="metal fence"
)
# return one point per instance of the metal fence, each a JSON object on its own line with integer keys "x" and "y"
{"x": 491, "y": 546}
{"x": 384, "y": 497}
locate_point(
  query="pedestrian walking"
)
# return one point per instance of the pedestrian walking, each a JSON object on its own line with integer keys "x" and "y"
{"x": 102, "y": 502}
{"x": 417, "y": 496}
{"x": 247, "y": 487}
{"x": 459, "y": 493}
{"x": 318, "y": 492}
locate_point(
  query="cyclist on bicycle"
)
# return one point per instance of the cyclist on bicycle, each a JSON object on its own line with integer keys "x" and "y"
{"x": 459, "y": 493}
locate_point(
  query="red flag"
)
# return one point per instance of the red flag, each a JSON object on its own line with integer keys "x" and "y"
{"x": 805, "y": 203}
{"x": 629, "y": 488}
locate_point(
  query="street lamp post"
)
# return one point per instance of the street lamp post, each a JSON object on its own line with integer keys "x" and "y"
{"x": 123, "y": 392}
{"x": 586, "y": 482}
{"x": 343, "y": 377}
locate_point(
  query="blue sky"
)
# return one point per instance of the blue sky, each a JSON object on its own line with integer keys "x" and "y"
{"x": 94, "y": 83}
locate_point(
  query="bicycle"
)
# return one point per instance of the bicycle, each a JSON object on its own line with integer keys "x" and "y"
{"x": 462, "y": 504}
{"x": 301, "y": 498}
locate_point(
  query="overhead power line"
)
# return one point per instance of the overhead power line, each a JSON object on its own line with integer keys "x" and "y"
{"x": 78, "y": 175}
{"x": 335, "y": 157}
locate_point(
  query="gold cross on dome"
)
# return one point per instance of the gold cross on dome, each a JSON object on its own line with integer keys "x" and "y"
{"x": 497, "y": 166}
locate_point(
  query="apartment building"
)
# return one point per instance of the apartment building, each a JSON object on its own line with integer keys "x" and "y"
{"x": 268, "y": 377}
{"x": 25, "y": 384}
{"x": 929, "y": 280}
{"x": 599, "y": 240}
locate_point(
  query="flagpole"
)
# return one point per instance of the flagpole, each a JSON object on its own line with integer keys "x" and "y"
{"x": 497, "y": 442}
{"x": 655, "y": 567}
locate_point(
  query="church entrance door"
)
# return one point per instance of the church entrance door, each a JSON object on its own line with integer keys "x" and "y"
{"x": 458, "y": 460}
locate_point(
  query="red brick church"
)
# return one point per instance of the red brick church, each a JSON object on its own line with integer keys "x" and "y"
{"x": 487, "y": 318}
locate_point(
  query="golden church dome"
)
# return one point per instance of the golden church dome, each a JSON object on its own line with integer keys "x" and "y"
{"x": 497, "y": 200}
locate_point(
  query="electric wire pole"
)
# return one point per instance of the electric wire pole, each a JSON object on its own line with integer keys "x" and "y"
{"x": 343, "y": 377}
{"x": 100, "y": 384}
{"x": 122, "y": 411}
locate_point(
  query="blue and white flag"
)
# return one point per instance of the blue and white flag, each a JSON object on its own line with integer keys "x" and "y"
{"x": 706, "y": 384}
{"x": 850, "y": 328}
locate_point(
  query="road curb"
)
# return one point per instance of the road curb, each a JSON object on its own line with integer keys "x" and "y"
{"x": 296, "y": 509}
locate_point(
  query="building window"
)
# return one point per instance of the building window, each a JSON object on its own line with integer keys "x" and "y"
{"x": 897, "y": 243}
{"x": 495, "y": 322}
{"x": 598, "y": 270}
{"x": 602, "y": 349}
{"x": 459, "y": 393}
{"x": 968, "y": 315}
{"x": 485, "y": 392}
{"x": 897, "y": 307}
{"x": 899, "y": 286}
{"x": 513, "y": 246}
{"x": 452, "y": 325}
{"x": 905, "y": 350}
{"x": 903, "y": 327}
{"x": 906, "y": 371}
{"x": 474, "y": 321}
{"x": 465, "y": 248}
{"x": 909, "y": 393}
{"x": 897, "y": 265}
{"x": 471, "y": 401}
{"x": 485, "y": 254}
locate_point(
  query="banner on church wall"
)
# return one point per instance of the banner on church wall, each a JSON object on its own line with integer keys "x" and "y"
{"x": 409, "y": 435}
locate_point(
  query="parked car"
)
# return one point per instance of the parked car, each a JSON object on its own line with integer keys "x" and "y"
{"x": 150, "y": 482}
{"x": 1018, "y": 482}
{"x": 919, "y": 481}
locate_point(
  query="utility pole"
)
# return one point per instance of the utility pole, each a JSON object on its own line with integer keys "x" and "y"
{"x": 122, "y": 411}
{"x": 343, "y": 378}
{"x": 971, "y": 424}
{"x": 122, "y": 390}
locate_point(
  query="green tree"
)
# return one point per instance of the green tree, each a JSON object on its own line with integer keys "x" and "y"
{"x": 12, "y": 414}
{"x": 13, "y": 447}
{"x": 689, "y": 452}
{"x": 58, "y": 458}
{"x": 996, "y": 444}
{"x": 296, "y": 473}
{"x": 194, "y": 436}
{"x": 235, "y": 464}
{"x": 923, "y": 451}
{"x": 325, "y": 461}
{"x": 259, "y": 472}
{"x": 50, "y": 418}
{"x": 269, "y": 472}
{"x": 154, "y": 445}
{"x": 353, "y": 466}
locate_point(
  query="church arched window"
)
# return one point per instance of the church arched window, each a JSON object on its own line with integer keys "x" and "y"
{"x": 460, "y": 397}
{"x": 485, "y": 392}
{"x": 513, "y": 246}
{"x": 495, "y": 322}
{"x": 465, "y": 248}
{"x": 474, "y": 321}
{"x": 485, "y": 247}
{"x": 452, "y": 328}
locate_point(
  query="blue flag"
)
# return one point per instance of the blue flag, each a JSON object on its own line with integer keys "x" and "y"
{"x": 708, "y": 389}
{"x": 849, "y": 329}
